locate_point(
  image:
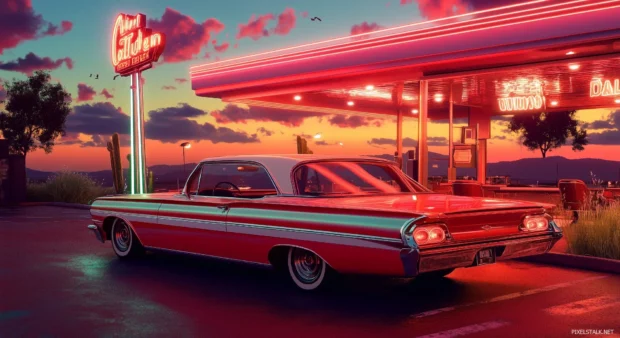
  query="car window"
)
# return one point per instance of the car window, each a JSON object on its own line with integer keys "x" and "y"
{"x": 235, "y": 180}
{"x": 329, "y": 178}
{"x": 192, "y": 183}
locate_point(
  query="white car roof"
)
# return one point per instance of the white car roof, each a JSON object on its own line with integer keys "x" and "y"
{"x": 280, "y": 166}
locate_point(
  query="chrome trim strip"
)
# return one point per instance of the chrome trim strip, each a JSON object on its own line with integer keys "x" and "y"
{"x": 315, "y": 232}
{"x": 223, "y": 226}
{"x": 548, "y": 237}
{"x": 193, "y": 223}
{"x": 205, "y": 255}
{"x": 116, "y": 213}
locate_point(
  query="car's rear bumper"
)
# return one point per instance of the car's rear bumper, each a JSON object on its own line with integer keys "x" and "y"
{"x": 99, "y": 234}
{"x": 416, "y": 261}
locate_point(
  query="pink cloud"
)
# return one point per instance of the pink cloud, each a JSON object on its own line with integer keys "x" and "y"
{"x": 364, "y": 27}
{"x": 236, "y": 45}
{"x": 19, "y": 23}
{"x": 32, "y": 62}
{"x": 304, "y": 14}
{"x": 255, "y": 28}
{"x": 106, "y": 93}
{"x": 221, "y": 48}
{"x": 184, "y": 36}
{"x": 180, "y": 80}
{"x": 52, "y": 29}
{"x": 286, "y": 22}
{"x": 85, "y": 92}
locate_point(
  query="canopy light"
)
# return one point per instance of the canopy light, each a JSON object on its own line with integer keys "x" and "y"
{"x": 297, "y": 97}
{"x": 370, "y": 87}
{"x": 438, "y": 97}
{"x": 554, "y": 103}
{"x": 350, "y": 103}
{"x": 573, "y": 67}
{"x": 414, "y": 111}
{"x": 570, "y": 53}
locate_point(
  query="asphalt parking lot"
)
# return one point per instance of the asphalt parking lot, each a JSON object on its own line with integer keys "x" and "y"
{"x": 56, "y": 280}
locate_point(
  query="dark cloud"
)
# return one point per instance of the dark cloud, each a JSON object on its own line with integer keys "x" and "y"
{"x": 19, "y": 23}
{"x": 264, "y": 131}
{"x": 95, "y": 140}
{"x": 100, "y": 118}
{"x": 173, "y": 124}
{"x": 321, "y": 143}
{"x": 85, "y": 92}
{"x": 235, "y": 114}
{"x": 506, "y": 118}
{"x": 408, "y": 141}
{"x": 611, "y": 136}
{"x": 499, "y": 137}
{"x": 454, "y": 121}
{"x": 180, "y": 80}
{"x": 32, "y": 62}
{"x": 168, "y": 87}
{"x": 353, "y": 121}
{"x": 184, "y": 36}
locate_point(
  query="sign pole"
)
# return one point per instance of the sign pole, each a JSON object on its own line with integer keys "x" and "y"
{"x": 134, "y": 49}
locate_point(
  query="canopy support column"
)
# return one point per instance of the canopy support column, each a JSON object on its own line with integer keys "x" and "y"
{"x": 422, "y": 134}
{"x": 451, "y": 169}
{"x": 397, "y": 99}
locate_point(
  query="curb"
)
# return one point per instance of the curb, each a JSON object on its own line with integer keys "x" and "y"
{"x": 577, "y": 261}
{"x": 56, "y": 204}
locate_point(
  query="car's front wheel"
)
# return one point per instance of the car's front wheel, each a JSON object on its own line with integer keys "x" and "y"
{"x": 124, "y": 240}
{"x": 307, "y": 270}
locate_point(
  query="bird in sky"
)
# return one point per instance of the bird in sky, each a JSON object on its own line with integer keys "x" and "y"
{"x": 97, "y": 77}
{"x": 91, "y": 75}
{"x": 115, "y": 76}
{"x": 316, "y": 18}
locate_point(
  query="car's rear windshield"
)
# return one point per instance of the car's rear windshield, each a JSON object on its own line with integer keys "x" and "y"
{"x": 349, "y": 178}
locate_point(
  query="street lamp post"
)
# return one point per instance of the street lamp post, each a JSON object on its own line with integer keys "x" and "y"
{"x": 185, "y": 145}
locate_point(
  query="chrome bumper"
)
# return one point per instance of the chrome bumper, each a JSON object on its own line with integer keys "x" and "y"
{"x": 416, "y": 261}
{"x": 98, "y": 232}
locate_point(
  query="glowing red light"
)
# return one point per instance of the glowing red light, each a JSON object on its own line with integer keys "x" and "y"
{"x": 133, "y": 45}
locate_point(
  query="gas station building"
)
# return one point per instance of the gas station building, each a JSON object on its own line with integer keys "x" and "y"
{"x": 530, "y": 57}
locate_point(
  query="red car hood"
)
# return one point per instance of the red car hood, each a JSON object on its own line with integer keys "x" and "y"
{"x": 419, "y": 203}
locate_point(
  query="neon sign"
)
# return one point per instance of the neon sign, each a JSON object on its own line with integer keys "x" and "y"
{"x": 134, "y": 47}
{"x": 599, "y": 87}
{"x": 521, "y": 95}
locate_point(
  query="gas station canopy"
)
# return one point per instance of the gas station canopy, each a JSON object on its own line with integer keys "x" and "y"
{"x": 551, "y": 55}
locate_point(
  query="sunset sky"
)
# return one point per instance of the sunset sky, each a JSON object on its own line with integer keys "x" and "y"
{"x": 72, "y": 39}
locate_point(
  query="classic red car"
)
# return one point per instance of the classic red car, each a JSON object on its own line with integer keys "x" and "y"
{"x": 312, "y": 215}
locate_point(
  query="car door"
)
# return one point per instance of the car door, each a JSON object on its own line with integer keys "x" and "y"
{"x": 195, "y": 221}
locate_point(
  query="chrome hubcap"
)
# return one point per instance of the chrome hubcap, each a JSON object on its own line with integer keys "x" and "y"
{"x": 306, "y": 265}
{"x": 122, "y": 236}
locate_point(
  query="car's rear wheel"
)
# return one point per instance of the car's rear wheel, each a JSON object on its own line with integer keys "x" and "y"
{"x": 124, "y": 240}
{"x": 307, "y": 269}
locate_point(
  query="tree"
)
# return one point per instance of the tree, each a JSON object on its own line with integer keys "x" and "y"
{"x": 547, "y": 131}
{"x": 36, "y": 112}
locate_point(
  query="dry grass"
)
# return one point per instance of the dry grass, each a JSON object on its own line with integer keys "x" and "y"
{"x": 596, "y": 233}
{"x": 68, "y": 187}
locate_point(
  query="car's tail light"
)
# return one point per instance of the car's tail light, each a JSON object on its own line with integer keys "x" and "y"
{"x": 429, "y": 234}
{"x": 535, "y": 223}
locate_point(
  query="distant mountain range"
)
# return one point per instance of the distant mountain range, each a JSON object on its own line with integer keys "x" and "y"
{"x": 524, "y": 171}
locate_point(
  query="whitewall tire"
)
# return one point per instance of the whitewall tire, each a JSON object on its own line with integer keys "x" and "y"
{"x": 307, "y": 269}
{"x": 124, "y": 241}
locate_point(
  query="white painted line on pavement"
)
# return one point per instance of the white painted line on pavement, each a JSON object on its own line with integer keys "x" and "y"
{"x": 466, "y": 330}
{"x": 506, "y": 297}
{"x": 584, "y": 306}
